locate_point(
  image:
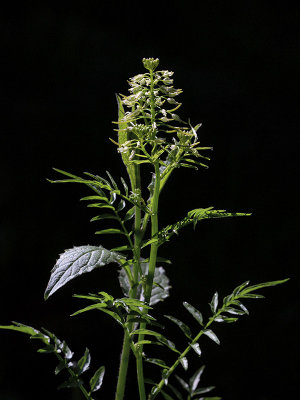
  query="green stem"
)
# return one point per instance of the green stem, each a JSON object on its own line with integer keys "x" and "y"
{"x": 121, "y": 384}
{"x": 154, "y": 230}
{"x": 140, "y": 376}
{"x": 123, "y": 367}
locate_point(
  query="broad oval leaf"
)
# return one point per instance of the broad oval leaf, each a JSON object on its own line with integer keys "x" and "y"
{"x": 97, "y": 379}
{"x": 77, "y": 261}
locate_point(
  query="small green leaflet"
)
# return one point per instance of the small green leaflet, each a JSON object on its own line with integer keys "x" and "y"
{"x": 195, "y": 379}
{"x": 84, "y": 362}
{"x": 77, "y": 261}
{"x": 97, "y": 379}
{"x": 214, "y": 303}
{"x": 211, "y": 335}
{"x": 185, "y": 329}
{"x": 195, "y": 313}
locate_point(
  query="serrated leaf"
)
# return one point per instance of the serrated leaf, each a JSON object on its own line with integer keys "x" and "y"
{"x": 195, "y": 313}
{"x": 84, "y": 362}
{"x": 77, "y": 261}
{"x": 211, "y": 335}
{"x": 195, "y": 379}
{"x": 160, "y": 290}
{"x": 214, "y": 303}
{"x": 97, "y": 379}
{"x": 185, "y": 329}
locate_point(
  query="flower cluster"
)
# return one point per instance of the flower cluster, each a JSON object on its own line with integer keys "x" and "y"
{"x": 153, "y": 129}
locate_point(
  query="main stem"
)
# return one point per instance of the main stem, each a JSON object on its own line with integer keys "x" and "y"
{"x": 132, "y": 294}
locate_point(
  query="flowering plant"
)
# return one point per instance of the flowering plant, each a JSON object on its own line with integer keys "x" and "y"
{"x": 150, "y": 135}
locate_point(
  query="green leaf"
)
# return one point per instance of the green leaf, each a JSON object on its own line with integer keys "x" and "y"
{"x": 262, "y": 285}
{"x": 124, "y": 136}
{"x": 166, "y": 396}
{"x": 240, "y": 287}
{"x": 184, "y": 363}
{"x": 234, "y": 311}
{"x": 196, "y": 348}
{"x": 97, "y": 379}
{"x": 185, "y": 329}
{"x": 34, "y": 333}
{"x": 77, "y": 261}
{"x": 175, "y": 391}
{"x": 214, "y": 303}
{"x": 103, "y": 216}
{"x": 70, "y": 383}
{"x": 84, "y": 362}
{"x": 149, "y": 332}
{"x": 195, "y": 313}
{"x": 211, "y": 335}
{"x": 195, "y": 379}
{"x": 62, "y": 365}
{"x": 183, "y": 383}
{"x": 157, "y": 361}
{"x": 204, "y": 390}
{"x": 98, "y": 198}
{"x": 110, "y": 231}
{"x": 160, "y": 290}
{"x": 130, "y": 213}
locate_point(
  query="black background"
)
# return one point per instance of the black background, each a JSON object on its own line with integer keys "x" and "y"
{"x": 238, "y": 63}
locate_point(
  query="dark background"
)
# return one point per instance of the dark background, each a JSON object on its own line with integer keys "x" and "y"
{"x": 238, "y": 63}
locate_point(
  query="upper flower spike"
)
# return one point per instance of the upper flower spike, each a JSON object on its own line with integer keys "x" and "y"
{"x": 150, "y": 63}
